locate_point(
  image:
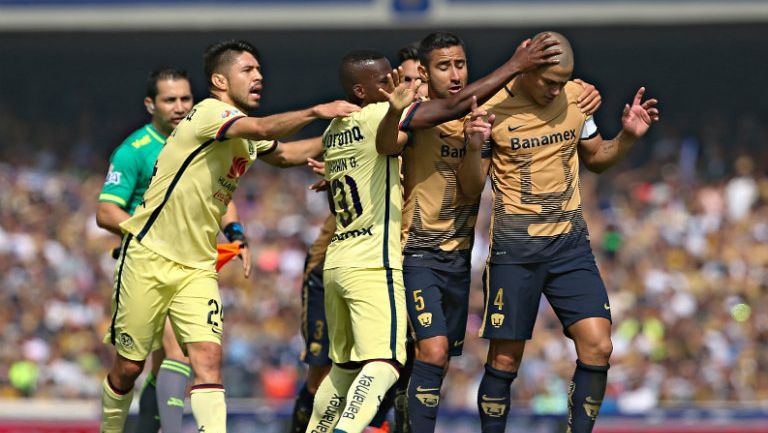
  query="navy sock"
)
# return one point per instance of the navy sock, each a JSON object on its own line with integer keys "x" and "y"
{"x": 585, "y": 396}
{"x": 148, "y": 420}
{"x": 302, "y": 411}
{"x": 384, "y": 407}
{"x": 493, "y": 398}
{"x": 424, "y": 396}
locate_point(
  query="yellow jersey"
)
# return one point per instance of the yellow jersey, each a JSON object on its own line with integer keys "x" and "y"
{"x": 364, "y": 193}
{"x": 195, "y": 176}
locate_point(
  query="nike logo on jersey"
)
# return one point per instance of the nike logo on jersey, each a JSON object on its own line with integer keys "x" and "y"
{"x": 215, "y": 331}
{"x": 486, "y": 398}
{"x": 606, "y": 306}
{"x": 422, "y": 389}
{"x": 514, "y": 128}
{"x": 458, "y": 343}
{"x": 445, "y": 134}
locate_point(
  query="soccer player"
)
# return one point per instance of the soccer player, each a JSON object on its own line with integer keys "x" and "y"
{"x": 439, "y": 215}
{"x": 539, "y": 239}
{"x": 167, "y": 262}
{"x": 168, "y": 100}
{"x": 408, "y": 56}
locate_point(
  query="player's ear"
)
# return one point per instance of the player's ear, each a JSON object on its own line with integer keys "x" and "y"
{"x": 423, "y": 73}
{"x": 149, "y": 105}
{"x": 219, "y": 81}
{"x": 359, "y": 91}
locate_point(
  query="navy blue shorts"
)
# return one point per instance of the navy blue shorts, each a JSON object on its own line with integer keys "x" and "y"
{"x": 314, "y": 327}
{"x": 572, "y": 285}
{"x": 437, "y": 304}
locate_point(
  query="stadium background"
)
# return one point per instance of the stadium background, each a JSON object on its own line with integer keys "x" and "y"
{"x": 680, "y": 228}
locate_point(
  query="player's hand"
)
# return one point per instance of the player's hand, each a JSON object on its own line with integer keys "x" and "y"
{"x": 245, "y": 256}
{"x": 477, "y": 127}
{"x": 638, "y": 117}
{"x": 403, "y": 92}
{"x": 590, "y": 100}
{"x": 318, "y": 167}
{"x": 334, "y": 109}
{"x": 531, "y": 54}
{"x": 319, "y": 186}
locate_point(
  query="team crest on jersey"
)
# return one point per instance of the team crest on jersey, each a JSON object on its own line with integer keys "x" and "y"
{"x": 126, "y": 340}
{"x": 239, "y": 165}
{"x": 497, "y": 319}
{"x": 228, "y": 113}
{"x": 425, "y": 319}
{"x": 113, "y": 177}
{"x": 315, "y": 348}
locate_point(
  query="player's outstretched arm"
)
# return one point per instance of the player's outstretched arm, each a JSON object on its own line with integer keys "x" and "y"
{"x": 294, "y": 153}
{"x": 599, "y": 154}
{"x": 284, "y": 124}
{"x": 473, "y": 169}
{"x": 530, "y": 54}
{"x": 389, "y": 139}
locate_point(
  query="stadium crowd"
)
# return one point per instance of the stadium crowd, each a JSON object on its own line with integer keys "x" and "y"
{"x": 680, "y": 231}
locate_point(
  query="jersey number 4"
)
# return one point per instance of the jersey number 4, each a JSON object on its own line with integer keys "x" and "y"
{"x": 342, "y": 190}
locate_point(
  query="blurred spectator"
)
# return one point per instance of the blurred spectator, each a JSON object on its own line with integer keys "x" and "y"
{"x": 682, "y": 243}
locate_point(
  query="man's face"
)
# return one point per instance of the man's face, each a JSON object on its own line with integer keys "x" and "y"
{"x": 411, "y": 71}
{"x": 374, "y": 77}
{"x": 245, "y": 81}
{"x": 545, "y": 84}
{"x": 172, "y": 103}
{"x": 446, "y": 73}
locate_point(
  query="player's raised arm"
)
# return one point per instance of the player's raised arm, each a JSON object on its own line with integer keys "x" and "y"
{"x": 284, "y": 124}
{"x": 599, "y": 154}
{"x": 389, "y": 140}
{"x": 473, "y": 168}
{"x": 529, "y": 55}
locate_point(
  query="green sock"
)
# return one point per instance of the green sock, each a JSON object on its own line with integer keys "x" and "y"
{"x": 171, "y": 387}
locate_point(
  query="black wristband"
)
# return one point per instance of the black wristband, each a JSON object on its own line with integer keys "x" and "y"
{"x": 234, "y": 232}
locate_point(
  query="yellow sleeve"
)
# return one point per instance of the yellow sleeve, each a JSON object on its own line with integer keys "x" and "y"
{"x": 214, "y": 119}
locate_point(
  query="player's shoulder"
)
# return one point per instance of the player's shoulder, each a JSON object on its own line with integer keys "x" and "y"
{"x": 372, "y": 111}
{"x": 573, "y": 90}
{"x": 212, "y": 107}
{"x": 138, "y": 141}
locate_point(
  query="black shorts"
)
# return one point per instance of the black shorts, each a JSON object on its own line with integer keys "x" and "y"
{"x": 573, "y": 287}
{"x": 314, "y": 327}
{"x": 437, "y": 304}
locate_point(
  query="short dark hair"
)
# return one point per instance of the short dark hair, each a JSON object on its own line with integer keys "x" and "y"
{"x": 351, "y": 62}
{"x": 223, "y": 52}
{"x": 408, "y": 52}
{"x": 436, "y": 41}
{"x": 164, "y": 73}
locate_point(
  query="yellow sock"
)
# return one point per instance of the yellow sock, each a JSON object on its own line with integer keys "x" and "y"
{"x": 114, "y": 408}
{"x": 365, "y": 395}
{"x": 330, "y": 398}
{"x": 209, "y": 407}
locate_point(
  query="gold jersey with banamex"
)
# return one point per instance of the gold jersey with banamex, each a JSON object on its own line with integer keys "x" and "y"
{"x": 196, "y": 174}
{"x": 364, "y": 193}
{"x": 537, "y": 214}
{"x": 438, "y": 218}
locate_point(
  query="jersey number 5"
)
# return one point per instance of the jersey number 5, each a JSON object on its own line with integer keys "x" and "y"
{"x": 341, "y": 193}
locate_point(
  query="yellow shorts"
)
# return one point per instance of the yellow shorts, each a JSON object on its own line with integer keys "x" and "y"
{"x": 149, "y": 288}
{"x": 365, "y": 310}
